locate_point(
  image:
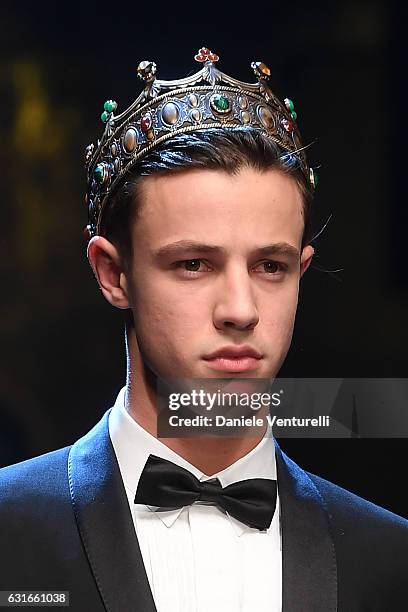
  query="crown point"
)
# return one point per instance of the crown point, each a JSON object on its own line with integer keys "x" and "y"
{"x": 146, "y": 70}
{"x": 205, "y": 55}
{"x": 261, "y": 70}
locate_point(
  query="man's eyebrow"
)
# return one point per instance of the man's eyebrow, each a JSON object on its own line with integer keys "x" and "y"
{"x": 177, "y": 248}
{"x": 280, "y": 248}
{"x": 187, "y": 245}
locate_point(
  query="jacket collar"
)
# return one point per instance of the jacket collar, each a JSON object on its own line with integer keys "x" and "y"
{"x": 105, "y": 524}
{"x": 309, "y": 568}
{"x": 106, "y": 527}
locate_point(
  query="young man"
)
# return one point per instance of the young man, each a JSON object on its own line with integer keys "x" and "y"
{"x": 199, "y": 205}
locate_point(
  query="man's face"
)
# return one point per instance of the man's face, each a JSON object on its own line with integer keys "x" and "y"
{"x": 189, "y": 301}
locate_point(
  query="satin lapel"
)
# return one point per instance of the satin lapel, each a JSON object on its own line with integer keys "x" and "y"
{"x": 105, "y": 523}
{"x": 308, "y": 555}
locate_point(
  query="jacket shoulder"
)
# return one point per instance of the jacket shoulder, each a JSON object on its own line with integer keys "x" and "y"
{"x": 365, "y": 533}
{"x": 39, "y": 536}
{"x": 347, "y": 507}
{"x": 371, "y": 549}
{"x": 38, "y": 478}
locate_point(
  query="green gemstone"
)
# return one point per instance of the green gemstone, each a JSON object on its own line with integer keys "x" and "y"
{"x": 99, "y": 173}
{"x": 110, "y": 106}
{"x": 289, "y": 104}
{"x": 220, "y": 103}
{"x": 105, "y": 116}
{"x": 314, "y": 179}
{"x": 293, "y": 114}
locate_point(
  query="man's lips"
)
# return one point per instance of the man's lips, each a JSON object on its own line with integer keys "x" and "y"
{"x": 234, "y": 352}
{"x": 234, "y": 358}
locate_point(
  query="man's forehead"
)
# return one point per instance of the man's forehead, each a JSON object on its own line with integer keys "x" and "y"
{"x": 213, "y": 208}
{"x": 198, "y": 187}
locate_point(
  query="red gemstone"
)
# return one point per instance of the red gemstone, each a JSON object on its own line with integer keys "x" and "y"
{"x": 288, "y": 125}
{"x": 200, "y": 58}
{"x": 146, "y": 123}
{"x": 213, "y": 58}
{"x": 204, "y": 51}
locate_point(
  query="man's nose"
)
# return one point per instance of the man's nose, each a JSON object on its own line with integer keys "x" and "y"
{"x": 235, "y": 304}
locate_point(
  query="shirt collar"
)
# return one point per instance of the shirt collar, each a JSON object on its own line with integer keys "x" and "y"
{"x": 133, "y": 445}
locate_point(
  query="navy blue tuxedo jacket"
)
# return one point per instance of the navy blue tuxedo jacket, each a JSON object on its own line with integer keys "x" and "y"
{"x": 65, "y": 525}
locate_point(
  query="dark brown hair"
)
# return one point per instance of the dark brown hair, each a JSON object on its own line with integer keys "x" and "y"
{"x": 228, "y": 150}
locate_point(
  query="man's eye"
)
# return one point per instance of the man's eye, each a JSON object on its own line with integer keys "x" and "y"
{"x": 190, "y": 265}
{"x": 194, "y": 266}
{"x": 272, "y": 267}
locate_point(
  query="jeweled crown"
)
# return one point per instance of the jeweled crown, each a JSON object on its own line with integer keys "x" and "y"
{"x": 207, "y": 99}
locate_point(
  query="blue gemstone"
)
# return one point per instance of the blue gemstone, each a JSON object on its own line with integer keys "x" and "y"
{"x": 289, "y": 160}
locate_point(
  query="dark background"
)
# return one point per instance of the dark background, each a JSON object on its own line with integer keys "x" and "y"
{"x": 343, "y": 64}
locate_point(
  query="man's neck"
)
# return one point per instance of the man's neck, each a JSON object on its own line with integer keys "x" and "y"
{"x": 208, "y": 454}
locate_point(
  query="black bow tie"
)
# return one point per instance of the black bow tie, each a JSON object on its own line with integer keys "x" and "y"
{"x": 168, "y": 486}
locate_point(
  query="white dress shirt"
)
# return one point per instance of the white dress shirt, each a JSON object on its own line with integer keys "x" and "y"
{"x": 198, "y": 558}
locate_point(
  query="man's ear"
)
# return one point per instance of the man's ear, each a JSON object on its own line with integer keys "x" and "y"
{"x": 107, "y": 266}
{"x": 306, "y": 258}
